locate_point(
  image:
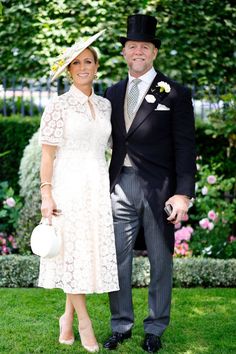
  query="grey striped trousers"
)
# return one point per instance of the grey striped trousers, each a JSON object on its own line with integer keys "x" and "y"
{"x": 130, "y": 211}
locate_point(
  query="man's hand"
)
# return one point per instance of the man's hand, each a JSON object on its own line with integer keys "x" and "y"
{"x": 180, "y": 205}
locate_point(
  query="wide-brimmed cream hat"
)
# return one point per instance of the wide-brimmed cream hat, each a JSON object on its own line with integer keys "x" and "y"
{"x": 63, "y": 60}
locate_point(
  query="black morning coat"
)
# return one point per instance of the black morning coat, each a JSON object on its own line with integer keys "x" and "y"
{"x": 159, "y": 143}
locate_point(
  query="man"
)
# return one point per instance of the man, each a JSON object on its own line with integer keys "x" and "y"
{"x": 152, "y": 166}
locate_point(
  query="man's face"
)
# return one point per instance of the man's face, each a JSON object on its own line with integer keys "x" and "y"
{"x": 139, "y": 56}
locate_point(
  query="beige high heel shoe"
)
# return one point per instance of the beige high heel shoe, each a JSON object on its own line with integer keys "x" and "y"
{"x": 61, "y": 340}
{"x": 90, "y": 348}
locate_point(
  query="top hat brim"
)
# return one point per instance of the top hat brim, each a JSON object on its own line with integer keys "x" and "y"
{"x": 81, "y": 46}
{"x": 140, "y": 38}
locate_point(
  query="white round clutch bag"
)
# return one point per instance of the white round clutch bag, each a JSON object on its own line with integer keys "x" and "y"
{"x": 44, "y": 241}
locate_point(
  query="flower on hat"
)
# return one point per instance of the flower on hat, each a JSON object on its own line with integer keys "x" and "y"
{"x": 69, "y": 54}
{"x": 56, "y": 65}
{"x": 164, "y": 87}
{"x": 65, "y": 56}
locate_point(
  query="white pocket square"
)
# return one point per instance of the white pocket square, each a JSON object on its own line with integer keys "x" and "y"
{"x": 162, "y": 107}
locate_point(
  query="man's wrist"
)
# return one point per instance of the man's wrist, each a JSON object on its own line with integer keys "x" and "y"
{"x": 190, "y": 200}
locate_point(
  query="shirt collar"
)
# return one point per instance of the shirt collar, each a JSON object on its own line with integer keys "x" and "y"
{"x": 148, "y": 77}
{"x": 77, "y": 93}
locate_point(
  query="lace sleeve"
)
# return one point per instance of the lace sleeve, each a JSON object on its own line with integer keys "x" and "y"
{"x": 52, "y": 124}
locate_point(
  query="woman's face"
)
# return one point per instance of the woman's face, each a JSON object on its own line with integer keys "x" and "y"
{"x": 83, "y": 68}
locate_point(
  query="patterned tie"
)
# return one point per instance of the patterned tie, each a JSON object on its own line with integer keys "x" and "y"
{"x": 133, "y": 98}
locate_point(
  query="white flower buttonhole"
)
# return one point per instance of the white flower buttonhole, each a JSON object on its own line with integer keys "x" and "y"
{"x": 150, "y": 98}
{"x": 164, "y": 87}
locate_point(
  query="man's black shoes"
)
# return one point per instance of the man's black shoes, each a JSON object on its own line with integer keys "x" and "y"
{"x": 151, "y": 343}
{"x": 115, "y": 339}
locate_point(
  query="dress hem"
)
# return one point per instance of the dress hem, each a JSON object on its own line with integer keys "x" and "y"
{"x": 80, "y": 291}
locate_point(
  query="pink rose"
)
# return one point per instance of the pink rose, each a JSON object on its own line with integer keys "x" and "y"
{"x": 185, "y": 246}
{"x": 184, "y": 234}
{"x": 4, "y": 249}
{"x": 204, "y": 223}
{"x": 178, "y": 226}
{"x": 204, "y": 190}
{"x": 210, "y": 226}
{"x": 3, "y": 241}
{"x": 182, "y": 249}
{"x": 190, "y": 229}
{"x": 178, "y": 237}
{"x": 211, "y": 179}
{"x": 185, "y": 217}
{"x": 10, "y": 202}
{"x": 177, "y": 250}
{"x": 232, "y": 238}
{"x": 212, "y": 215}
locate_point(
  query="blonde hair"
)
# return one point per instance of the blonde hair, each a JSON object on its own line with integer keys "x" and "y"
{"x": 94, "y": 53}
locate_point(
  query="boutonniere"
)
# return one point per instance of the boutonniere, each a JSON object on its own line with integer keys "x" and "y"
{"x": 160, "y": 88}
{"x": 164, "y": 87}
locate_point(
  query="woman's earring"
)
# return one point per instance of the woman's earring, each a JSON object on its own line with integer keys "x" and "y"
{"x": 95, "y": 76}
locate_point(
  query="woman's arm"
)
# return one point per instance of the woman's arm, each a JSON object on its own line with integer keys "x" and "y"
{"x": 46, "y": 172}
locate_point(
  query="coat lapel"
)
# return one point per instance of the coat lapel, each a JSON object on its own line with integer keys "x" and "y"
{"x": 146, "y": 108}
{"x": 119, "y": 113}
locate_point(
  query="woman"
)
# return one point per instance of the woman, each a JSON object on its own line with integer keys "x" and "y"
{"x": 74, "y": 132}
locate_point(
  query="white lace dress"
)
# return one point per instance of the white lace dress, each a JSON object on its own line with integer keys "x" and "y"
{"x": 87, "y": 262}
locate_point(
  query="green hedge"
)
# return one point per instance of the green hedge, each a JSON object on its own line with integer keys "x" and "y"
{"x": 191, "y": 272}
{"x": 22, "y": 271}
{"x": 15, "y": 132}
{"x": 18, "y": 271}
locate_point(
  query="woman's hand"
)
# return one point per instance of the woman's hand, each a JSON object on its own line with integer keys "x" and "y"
{"x": 48, "y": 207}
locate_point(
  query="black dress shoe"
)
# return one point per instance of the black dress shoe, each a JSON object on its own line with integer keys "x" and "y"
{"x": 151, "y": 343}
{"x": 115, "y": 339}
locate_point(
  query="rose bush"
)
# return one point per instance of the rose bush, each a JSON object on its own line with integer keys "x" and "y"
{"x": 208, "y": 231}
{"x": 8, "y": 244}
{"x": 213, "y": 215}
{"x": 10, "y": 206}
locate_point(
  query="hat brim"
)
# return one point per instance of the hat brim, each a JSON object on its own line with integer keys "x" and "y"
{"x": 82, "y": 45}
{"x": 138, "y": 38}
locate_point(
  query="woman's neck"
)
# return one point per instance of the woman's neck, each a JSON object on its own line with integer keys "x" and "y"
{"x": 86, "y": 89}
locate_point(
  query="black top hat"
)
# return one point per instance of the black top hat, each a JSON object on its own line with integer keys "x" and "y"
{"x": 141, "y": 28}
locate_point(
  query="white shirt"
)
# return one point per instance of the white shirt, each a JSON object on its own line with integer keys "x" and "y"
{"x": 144, "y": 85}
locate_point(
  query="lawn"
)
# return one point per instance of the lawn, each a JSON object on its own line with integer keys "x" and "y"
{"x": 203, "y": 321}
